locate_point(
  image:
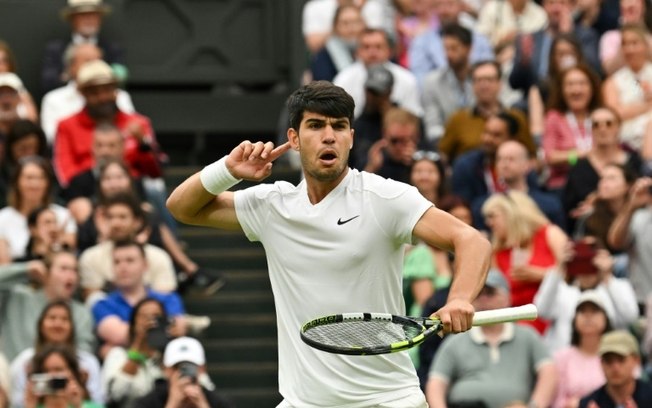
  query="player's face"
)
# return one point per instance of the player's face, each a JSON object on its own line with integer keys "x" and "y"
{"x": 324, "y": 144}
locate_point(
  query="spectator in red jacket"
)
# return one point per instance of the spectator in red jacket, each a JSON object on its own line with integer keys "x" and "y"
{"x": 74, "y": 140}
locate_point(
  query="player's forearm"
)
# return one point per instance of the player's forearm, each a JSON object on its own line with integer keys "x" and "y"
{"x": 472, "y": 261}
{"x": 188, "y": 199}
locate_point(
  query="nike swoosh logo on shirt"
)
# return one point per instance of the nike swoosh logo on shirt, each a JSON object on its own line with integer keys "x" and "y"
{"x": 340, "y": 222}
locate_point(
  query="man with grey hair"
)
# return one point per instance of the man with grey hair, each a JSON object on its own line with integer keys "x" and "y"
{"x": 478, "y": 367}
{"x": 65, "y": 101}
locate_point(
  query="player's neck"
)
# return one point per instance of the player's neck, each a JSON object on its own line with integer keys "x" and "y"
{"x": 318, "y": 189}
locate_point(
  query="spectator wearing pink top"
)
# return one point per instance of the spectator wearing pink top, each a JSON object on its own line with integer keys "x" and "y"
{"x": 578, "y": 366}
{"x": 567, "y": 125}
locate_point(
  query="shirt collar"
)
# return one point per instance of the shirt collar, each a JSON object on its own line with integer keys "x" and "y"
{"x": 80, "y": 39}
{"x": 478, "y": 336}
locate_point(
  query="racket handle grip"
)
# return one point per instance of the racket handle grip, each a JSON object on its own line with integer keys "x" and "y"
{"x": 509, "y": 314}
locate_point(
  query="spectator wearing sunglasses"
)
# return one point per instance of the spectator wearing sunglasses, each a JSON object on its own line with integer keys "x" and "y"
{"x": 391, "y": 156}
{"x": 605, "y": 150}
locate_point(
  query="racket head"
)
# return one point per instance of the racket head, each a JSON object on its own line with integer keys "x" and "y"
{"x": 365, "y": 333}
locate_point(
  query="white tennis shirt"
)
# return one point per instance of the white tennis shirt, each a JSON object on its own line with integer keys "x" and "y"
{"x": 344, "y": 254}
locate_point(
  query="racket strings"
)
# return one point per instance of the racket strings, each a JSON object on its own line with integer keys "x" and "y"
{"x": 363, "y": 333}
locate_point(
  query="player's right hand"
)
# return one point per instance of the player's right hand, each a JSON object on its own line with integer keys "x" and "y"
{"x": 253, "y": 161}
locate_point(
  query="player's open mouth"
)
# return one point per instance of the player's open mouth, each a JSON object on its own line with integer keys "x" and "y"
{"x": 328, "y": 157}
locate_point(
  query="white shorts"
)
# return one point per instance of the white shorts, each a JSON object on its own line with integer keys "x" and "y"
{"x": 417, "y": 400}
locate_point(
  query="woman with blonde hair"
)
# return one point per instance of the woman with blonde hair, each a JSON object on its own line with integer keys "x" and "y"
{"x": 629, "y": 90}
{"x": 526, "y": 244}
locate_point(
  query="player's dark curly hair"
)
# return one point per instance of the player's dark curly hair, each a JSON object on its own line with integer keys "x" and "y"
{"x": 320, "y": 97}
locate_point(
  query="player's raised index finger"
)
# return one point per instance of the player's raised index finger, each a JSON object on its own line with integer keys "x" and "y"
{"x": 279, "y": 150}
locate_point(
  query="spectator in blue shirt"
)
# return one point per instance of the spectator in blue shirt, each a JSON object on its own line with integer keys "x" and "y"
{"x": 112, "y": 313}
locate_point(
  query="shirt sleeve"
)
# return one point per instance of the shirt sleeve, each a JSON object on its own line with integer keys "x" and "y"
{"x": 539, "y": 352}
{"x": 85, "y": 336}
{"x": 101, "y": 310}
{"x": 399, "y": 209}
{"x": 251, "y": 210}
{"x": 173, "y": 305}
{"x": 63, "y": 158}
{"x": 162, "y": 277}
{"x": 443, "y": 366}
{"x": 89, "y": 277}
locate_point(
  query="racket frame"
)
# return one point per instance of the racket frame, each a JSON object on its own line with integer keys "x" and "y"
{"x": 426, "y": 326}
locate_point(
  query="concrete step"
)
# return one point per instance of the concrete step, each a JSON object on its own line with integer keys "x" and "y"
{"x": 230, "y": 258}
{"x": 244, "y": 350}
{"x": 256, "y": 397}
{"x": 225, "y": 302}
{"x": 241, "y": 325}
{"x": 239, "y": 374}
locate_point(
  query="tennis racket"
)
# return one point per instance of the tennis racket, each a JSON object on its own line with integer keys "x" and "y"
{"x": 382, "y": 333}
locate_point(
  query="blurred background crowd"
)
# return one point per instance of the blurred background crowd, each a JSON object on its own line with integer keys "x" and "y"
{"x": 528, "y": 120}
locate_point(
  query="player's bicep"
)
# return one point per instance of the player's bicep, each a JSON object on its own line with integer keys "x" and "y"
{"x": 439, "y": 229}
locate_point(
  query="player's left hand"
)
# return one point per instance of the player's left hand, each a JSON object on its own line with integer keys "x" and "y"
{"x": 456, "y": 316}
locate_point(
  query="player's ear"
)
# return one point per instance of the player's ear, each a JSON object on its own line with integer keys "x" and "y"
{"x": 352, "y": 138}
{"x": 293, "y": 138}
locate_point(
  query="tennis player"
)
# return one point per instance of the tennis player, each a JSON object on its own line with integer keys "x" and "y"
{"x": 334, "y": 244}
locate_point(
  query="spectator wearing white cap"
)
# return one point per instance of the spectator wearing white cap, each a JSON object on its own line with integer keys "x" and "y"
{"x": 621, "y": 360}
{"x": 578, "y": 365}
{"x": 27, "y": 107}
{"x": 85, "y": 18}
{"x": 187, "y": 384}
{"x": 10, "y": 87}
{"x": 556, "y": 299}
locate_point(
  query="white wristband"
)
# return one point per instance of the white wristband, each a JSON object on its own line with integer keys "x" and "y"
{"x": 216, "y": 178}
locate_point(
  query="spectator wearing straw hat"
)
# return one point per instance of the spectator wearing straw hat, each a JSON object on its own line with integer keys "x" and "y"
{"x": 73, "y": 143}
{"x": 85, "y": 18}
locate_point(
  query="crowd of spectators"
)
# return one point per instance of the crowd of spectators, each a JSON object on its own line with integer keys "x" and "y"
{"x": 91, "y": 269}
{"x": 530, "y": 120}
